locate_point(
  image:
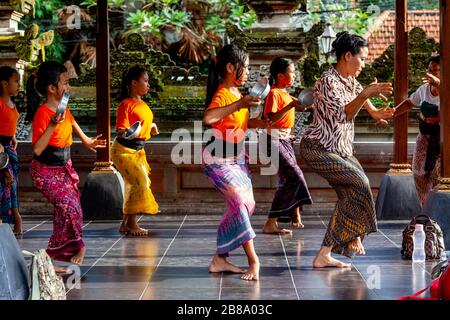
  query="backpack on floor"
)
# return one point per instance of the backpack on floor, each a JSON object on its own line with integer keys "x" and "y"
{"x": 434, "y": 239}
{"x": 45, "y": 283}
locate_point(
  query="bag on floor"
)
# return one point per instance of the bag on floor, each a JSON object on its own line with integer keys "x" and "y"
{"x": 434, "y": 239}
{"x": 45, "y": 283}
{"x": 439, "y": 289}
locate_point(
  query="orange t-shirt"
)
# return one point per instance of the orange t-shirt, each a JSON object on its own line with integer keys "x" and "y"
{"x": 233, "y": 127}
{"x": 276, "y": 100}
{"x": 131, "y": 110}
{"x": 62, "y": 136}
{"x": 8, "y": 119}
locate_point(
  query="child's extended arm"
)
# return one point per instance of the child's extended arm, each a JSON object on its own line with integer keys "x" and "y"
{"x": 89, "y": 143}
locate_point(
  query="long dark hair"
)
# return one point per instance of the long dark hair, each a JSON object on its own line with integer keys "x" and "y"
{"x": 230, "y": 53}
{"x": 346, "y": 42}
{"x": 47, "y": 74}
{"x": 6, "y": 72}
{"x": 134, "y": 73}
{"x": 435, "y": 59}
{"x": 278, "y": 65}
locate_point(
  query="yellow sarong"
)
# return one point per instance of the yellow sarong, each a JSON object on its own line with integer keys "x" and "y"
{"x": 133, "y": 166}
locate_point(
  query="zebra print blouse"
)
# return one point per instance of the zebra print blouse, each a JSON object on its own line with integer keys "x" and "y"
{"x": 330, "y": 126}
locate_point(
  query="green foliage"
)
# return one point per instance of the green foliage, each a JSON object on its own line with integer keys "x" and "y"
{"x": 310, "y": 71}
{"x": 215, "y": 23}
{"x": 176, "y": 17}
{"x": 340, "y": 14}
{"x": 420, "y": 49}
{"x": 143, "y": 21}
{"x": 46, "y": 18}
{"x": 228, "y": 11}
{"x": 151, "y": 15}
{"x": 89, "y": 3}
{"x": 113, "y": 4}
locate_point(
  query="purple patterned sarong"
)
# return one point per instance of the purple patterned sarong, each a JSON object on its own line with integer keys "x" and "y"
{"x": 231, "y": 177}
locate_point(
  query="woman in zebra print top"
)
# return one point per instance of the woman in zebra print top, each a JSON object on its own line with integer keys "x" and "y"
{"x": 327, "y": 147}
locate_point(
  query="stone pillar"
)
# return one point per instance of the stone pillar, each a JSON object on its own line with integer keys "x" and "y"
{"x": 103, "y": 192}
{"x": 397, "y": 198}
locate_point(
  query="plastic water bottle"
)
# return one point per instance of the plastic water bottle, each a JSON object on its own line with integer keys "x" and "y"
{"x": 419, "y": 244}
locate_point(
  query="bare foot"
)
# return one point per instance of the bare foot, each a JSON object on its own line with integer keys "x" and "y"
{"x": 123, "y": 228}
{"x": 133, "y": 228}
{"x": 297, "y": 220}
{"x": 137, "y": 232}
{"x": 79, "y": 257}
{"x": 219, "y": 264}
{"x": 252, "y": 273}
{"x": 356, "y": 245}
{"x": 271, "y": 227}
{"x": 326, "y": 261}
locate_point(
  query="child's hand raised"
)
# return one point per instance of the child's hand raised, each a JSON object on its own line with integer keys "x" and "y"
{"x": 58, "y": 118}
{"x": 249, "y": 102}
{"x": 431, "y": 79}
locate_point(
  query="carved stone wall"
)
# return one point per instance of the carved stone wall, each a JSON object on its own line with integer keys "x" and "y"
{"x": 11, "y": 12}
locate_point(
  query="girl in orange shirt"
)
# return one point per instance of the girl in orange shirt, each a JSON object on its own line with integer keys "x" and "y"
{"x": 225, "y": 161}
{"x": 292, "y": 191}
{"x": 51, "y": 168}
{"x": 128, "y": 155}
{"x": 9, "y": 202}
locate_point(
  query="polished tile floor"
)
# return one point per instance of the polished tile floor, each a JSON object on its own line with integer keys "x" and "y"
{"x": 172, "y": 262}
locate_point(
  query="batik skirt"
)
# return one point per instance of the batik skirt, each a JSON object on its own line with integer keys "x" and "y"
{"x": 59, "y": 185}
{"x": 424, "y": 181}
{"x": 354, "y": 215}
{"x": 292, "y": 191}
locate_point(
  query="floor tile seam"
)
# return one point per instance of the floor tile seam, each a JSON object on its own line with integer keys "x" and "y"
{"x": 164, "y": 254}
{"x": 289, "y": 268}
{"x": 364, "y": 279}
{"x": 95, "y": 263}
{"x": 90, "y": 221}
{"x": 220, "y": 286}
{"x": 36, "y": 226}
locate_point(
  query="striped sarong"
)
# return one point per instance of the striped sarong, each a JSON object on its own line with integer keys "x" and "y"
{"x": 59, "y": 185}
{"x": 292, "y": 191}
{"x": 231, "y": 177}
{"x": 133, "y": 166}
{"x": 354, "y": 214}
{"x": 425, "y": 182}
{"x": 8, "y": 190}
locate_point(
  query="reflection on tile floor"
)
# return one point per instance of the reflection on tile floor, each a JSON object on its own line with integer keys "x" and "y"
{"x": 172, "y": 262}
